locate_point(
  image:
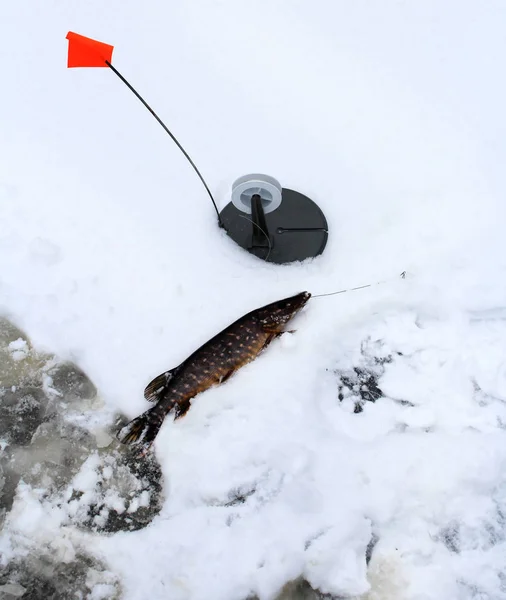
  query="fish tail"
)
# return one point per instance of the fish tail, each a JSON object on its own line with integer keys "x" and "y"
{"x": 142, "y": 430}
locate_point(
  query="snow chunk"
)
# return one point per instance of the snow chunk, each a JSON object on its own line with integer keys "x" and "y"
{"x": 87, "y": 477}
{"x": 12, "y": 589}
{"x": 19, "y": 349}
{"x": 335, "y": 561}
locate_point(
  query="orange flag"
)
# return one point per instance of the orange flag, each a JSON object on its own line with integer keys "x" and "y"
{"x": 85, "y": 52}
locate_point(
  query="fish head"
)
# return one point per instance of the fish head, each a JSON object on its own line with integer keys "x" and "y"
{"x": 274, "y": 316}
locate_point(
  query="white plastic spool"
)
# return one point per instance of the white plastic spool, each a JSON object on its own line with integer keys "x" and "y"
{"x": 268, "y": 188}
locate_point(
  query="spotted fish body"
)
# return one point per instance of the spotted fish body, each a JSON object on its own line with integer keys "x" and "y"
{"x": 212, "y": 364}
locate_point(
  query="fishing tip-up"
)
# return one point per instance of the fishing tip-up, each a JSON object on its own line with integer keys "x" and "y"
{"x": 275, "y": 224}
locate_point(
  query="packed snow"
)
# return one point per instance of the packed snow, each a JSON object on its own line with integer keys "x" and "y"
{"x": 364, "y": 454}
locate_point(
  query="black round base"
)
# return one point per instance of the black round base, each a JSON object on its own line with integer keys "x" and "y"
{"x": 297, "y": 230}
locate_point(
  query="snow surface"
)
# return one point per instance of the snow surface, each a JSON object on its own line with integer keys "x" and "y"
{"x": 390, "y": 115}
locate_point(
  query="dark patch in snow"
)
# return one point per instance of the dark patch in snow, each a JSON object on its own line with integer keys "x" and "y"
{"x": 300, "y": 589}
{"x": 126, "y": 496}
{"x": 239, "y": 496}
{"x": 450, "y": 536}
{"x": 252, "y": 493}
{"x": 502, "y": 581}
{"x": 483, "y": 535}
{"x": 360, "y": 384}
{"x": 21, "y": 412}
{"x": 471, "y": 591}
{"x": 370, "y": 548}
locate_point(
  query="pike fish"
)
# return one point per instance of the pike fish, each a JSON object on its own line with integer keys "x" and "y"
{"x": 212, "y": 364}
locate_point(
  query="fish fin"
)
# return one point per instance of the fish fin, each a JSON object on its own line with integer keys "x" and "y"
{"x": 227, "y": 376}
{"x": 141, "y": 430}
{"x": 181, "y": 409}
{"x": 156, "y": 388}
{"x": 272, "y": 336}
{"x": 276, "y": 334}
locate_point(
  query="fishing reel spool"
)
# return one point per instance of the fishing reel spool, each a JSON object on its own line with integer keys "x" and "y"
{"x": 275, "y": 224}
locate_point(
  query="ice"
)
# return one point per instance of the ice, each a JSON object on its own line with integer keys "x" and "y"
{"x": 38, "y": 575}
{"x": 62, "y": 471}
{"x": 12, "y": 372}
{"x": 69, "y": 381}
{"x": 20, "y": 413}
{"x": 112, "y": 493}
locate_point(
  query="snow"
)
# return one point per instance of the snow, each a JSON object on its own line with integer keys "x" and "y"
{"x": 18, "y": 349}
{"x": 391, "y": 117}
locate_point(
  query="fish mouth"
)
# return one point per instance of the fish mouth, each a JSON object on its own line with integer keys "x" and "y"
{"x": 278, "y": 314}
{"x": 304, "y": 298}
{"x": 300, "y": 300}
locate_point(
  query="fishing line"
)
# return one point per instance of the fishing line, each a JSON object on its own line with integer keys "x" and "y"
{"x": 360, "y": 287}
{"x": 257, "y": 225}
{"x": 136, "y": 93}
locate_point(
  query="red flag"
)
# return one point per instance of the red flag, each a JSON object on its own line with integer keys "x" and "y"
{"x": 85, "y": 52}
